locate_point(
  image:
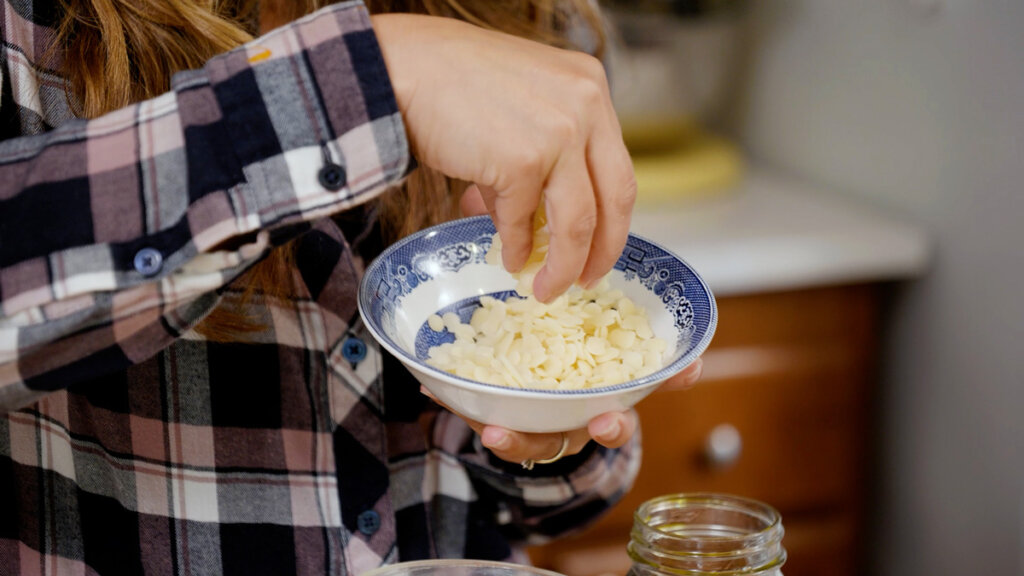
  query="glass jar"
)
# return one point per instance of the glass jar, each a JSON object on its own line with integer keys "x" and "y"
{"x": 706, "y": 535}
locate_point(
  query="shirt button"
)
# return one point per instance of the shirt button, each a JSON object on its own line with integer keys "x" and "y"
{"x": 353, "y": 349}
{"x": 369, "y": 522}
{"x": 148, "y": 261}
{"x": 332, "y": 177}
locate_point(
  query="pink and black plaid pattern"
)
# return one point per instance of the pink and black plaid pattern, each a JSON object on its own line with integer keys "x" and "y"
{"x": 131, "y": 445}
{"x": 232, "y": 154}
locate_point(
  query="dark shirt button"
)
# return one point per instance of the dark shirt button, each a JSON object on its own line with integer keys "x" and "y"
{"x": 369, "y": 522}
{"x": 353, "y": 349}
{"x": 332, "y": 177}
{"x": 148, "y": 261}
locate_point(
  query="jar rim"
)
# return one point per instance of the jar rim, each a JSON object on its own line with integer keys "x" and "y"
{"x": 714, "y": 545}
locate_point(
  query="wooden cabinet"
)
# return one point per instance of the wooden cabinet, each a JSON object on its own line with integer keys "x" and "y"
{"x": 792, "y": 373}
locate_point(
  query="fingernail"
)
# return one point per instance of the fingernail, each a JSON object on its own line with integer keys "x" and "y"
{"x": 699, "y": 370}
{"x": 610, "y": 430}
{"x": 542, "y": 296}
{"x": 541, "y": 291}
{"x": 512, "y": 262}
{"x": 696, "y": 369}
{"x": 495, "y": 439}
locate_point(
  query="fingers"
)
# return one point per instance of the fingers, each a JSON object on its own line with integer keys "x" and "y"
{"x": 572, "y": 217}
{"x": 512, "y": 211}
{"x": 513, "y": 446}
{"x": 614, "y": 184}
{"x": 688, "y": 376}
{"x": 472, "y": 202}
{"x": 613, "y": 429}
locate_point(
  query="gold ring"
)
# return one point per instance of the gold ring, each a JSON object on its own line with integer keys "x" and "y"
{"x": 529, "y": 462}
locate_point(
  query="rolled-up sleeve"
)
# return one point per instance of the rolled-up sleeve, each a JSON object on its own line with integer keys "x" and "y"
{"x": 117, "y": 232}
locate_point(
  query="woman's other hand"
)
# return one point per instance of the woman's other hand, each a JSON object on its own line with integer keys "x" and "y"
{"x": 522, "y": 121}
{"x": 611, "y": 429}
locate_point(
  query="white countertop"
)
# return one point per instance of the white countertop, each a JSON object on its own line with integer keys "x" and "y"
{"x": 774, "y": 233}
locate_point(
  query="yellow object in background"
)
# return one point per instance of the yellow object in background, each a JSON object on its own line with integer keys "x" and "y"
{"x": 701, "y": 168}
{"x": 678, "y": 159}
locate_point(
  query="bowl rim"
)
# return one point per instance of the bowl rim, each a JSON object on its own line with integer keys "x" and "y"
{"x": 651, "y": 379}
{"x": 457, "y": 562}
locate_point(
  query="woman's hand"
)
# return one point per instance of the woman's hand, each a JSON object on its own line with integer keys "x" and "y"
{"x": 523, "y": 121}
{"x": 611, "y": 429}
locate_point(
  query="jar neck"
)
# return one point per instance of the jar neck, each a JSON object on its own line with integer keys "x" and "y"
{"x": 706, "y": 534}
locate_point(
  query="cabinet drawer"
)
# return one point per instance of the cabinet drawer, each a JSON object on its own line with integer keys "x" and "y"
{"x": 800, "y": 437}
{"x": 791, "y": 373}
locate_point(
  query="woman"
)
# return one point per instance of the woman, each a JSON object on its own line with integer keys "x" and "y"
{"x": 186, "y": 386}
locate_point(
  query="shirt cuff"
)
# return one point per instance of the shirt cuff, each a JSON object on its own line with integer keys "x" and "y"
{"x": 311, "y": 117}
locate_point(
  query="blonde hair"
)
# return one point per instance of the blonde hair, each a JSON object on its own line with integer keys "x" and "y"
{"x": 117, "y": 52}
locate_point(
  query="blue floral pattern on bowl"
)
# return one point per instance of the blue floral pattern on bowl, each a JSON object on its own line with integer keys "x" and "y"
{"x": 408, "y": 265}
{"x": 664, "y": 275}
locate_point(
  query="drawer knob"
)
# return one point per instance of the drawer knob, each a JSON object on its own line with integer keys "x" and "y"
{"x": 723, "y": 446}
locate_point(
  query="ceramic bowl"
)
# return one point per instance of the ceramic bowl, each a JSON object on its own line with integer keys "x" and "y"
{"x": 442, "y": 269}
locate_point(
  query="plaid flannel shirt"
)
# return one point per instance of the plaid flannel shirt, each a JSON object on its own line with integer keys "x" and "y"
{"x": 129, "y": 444}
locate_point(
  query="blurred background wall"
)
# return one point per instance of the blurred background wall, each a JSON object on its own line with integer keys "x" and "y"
{"x": 917, "y": 106}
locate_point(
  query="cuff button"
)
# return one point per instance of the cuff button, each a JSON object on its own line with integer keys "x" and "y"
{"x": 148, "y": 261}
{"x": 332, "y": 177}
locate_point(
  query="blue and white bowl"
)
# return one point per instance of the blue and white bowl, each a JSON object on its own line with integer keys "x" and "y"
{"x": 442, "y": 269}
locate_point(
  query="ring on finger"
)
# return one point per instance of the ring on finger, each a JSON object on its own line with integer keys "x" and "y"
{"x": 529, "y": 462}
